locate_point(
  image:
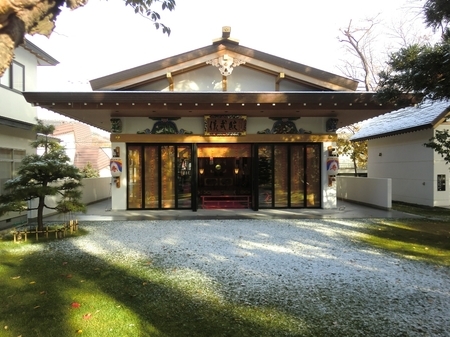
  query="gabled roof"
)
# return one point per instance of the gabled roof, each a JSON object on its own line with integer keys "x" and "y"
{"x": 44, "y": 59}
{"x": 197, "y": 58}
{"x": 422, "y": 116}
{"x": 125, "y": 94}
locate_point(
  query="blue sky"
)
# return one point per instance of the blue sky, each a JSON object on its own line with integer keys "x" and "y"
{"x": 106, "y": 36}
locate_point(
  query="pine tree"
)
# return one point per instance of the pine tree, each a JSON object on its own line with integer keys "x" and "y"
{"x": 44, "y": 175}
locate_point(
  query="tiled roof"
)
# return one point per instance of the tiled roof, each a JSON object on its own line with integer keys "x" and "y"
{"x": 88, "y": 150}
{"x": 422, "y": 116}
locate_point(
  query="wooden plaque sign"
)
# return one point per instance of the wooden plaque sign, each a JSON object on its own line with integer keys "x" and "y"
{"x": 228, "y": 125}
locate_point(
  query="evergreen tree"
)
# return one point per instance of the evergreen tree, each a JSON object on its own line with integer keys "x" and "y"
{"x": 423, "y": 70}
{"x": 44, "y": 175}
{"x": 89, "y": 172}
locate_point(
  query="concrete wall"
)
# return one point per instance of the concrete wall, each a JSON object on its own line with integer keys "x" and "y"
{"x": 94, "y": 189}
{"x": 375, "y": 192}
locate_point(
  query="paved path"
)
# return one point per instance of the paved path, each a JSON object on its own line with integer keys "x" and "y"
{"x": 101, "y": 211}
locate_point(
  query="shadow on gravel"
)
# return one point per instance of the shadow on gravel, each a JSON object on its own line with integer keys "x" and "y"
{"x": 145, "y": 297}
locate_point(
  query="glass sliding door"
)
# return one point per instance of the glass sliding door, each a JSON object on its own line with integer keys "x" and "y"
{"x": 151, "y": 184}
{"x": 281, "y": 177}
{"x": 312, "y": 175}
{"x": 289, "y": 175}
{"x": 265, "y": 176}
{"x": 184, "y": 172}
{"x": 297, "y": 169}
{"x": 134, "y": 180}
{"x": 168, "y": 175}
{"x": 159, "y": 176}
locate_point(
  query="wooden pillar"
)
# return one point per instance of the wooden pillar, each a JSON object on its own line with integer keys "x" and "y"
{"x": 277, "y": 83}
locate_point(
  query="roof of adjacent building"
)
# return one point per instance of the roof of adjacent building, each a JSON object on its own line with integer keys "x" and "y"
{"x": 87, "y": 150}
{"x": 44, "y": 58}
{"x": 425, "y": 115}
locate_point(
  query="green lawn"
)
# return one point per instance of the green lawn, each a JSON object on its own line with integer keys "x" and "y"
{"x": 419, "y": 239}
{"x": 426, "y": 238}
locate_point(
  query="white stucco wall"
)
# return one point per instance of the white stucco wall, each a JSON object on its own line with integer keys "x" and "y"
{"x": 196, "y": 124}
{"x": 13, "y": 138}
{"x": 329, "y": 196}
{"x": 209, "y": 78}
{"x": 13, "y": 105}
{"x": 119, "y": 194}
{"x": 411, "y": 166}
{"x": 441, "y": 198}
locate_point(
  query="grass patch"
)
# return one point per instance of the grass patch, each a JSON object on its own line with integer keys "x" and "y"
{"x": 425, "y": 211}
{"x": 64, "y": 295}
{"x": 426, "y": 239}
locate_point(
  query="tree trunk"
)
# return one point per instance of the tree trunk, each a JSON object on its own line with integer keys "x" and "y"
{"x": 20, "y": 17}
{"x": 356, "y": 167}
{"x": 10, "y": 37}
{"x": 40, "y": 213}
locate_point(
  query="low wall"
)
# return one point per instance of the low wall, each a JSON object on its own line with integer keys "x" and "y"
{"x": 375, "y": 192}
{"x": 94, "y": 189}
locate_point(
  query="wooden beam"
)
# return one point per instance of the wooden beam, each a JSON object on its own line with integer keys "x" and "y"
{"x": 170, "y": 79}
{"x": 224, "y": 83}
{"x": 199, "y": 139}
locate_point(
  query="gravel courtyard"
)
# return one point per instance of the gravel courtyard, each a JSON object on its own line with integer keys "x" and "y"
{"x": 316, "y": 270}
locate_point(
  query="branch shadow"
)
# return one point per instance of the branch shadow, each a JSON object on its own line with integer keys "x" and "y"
{"x": 159, "y": 307}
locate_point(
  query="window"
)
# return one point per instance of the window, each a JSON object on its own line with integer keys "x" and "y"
{"x": 5, "y": 80}
{"x": 10, "y": 161}
{"x": 14, "y": 77}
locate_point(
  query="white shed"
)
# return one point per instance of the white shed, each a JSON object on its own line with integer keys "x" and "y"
{"x": 396, "y": 151}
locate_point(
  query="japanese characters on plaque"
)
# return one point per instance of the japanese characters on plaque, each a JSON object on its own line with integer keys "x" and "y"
{"x": 227, "y": 125}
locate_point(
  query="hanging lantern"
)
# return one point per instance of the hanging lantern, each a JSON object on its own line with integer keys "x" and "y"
{"x": 116, "y": 167}
{"x": 332, "y": 166}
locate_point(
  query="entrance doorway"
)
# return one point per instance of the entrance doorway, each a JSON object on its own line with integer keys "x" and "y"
{"x": 224, "y": 179}
{"x": 192, "y": 176}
